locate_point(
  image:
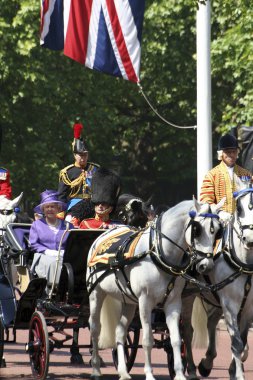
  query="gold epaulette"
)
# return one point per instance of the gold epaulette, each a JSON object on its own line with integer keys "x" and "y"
{"x": 64, "y": 170}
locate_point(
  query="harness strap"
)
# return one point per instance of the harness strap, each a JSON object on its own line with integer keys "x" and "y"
{"x": 114, "y": 264}
{"x": 158, "y": 255}
{"x": 170, "y": 287}
{"x": 247, "y": 287}
{"x": 214, "y": 293}
{"x": 91, "y": 287}
{"x": 201, "y": 285}
{"x": 128, "y": 284}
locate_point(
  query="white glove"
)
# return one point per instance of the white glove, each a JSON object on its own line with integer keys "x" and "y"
{"x": 224, "y": 216}
{"x": 53, "y": 252}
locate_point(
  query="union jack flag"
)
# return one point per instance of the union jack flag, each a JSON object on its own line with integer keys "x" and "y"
{"x": 104, "y": 35}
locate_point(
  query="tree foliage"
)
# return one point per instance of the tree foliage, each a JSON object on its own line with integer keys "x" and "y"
{"x": 42, "y": 91}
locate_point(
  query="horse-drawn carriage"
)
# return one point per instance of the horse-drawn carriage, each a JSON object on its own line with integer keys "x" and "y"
{"x": 53, "y": 322}
{"x": 164, "y": 252}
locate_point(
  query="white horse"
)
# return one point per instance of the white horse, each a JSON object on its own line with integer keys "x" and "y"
{"x": 231, "y": 280}
{"x": 154, "y": 277}
{"x": 7, "y": 210}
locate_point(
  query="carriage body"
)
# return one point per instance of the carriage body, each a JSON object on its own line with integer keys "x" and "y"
{"x": 24, "y": 305}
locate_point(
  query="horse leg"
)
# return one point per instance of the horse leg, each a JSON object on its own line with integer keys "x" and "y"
{"x": 76, "y": 357}
{"x": 145, "y": 309}
{"x": 236, "y": 371}
{"x": 187, "y": 333}
{"x": 172, "y": 312}
{"x": 213, "y": 316}
{"x": 128, "y": 311}
{"x": 244, "y": 336}
{"x": 96, "y": 301}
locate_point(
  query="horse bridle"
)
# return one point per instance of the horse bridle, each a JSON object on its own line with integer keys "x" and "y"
{"x": 196, "y": 231}
{"x": 6, "y": 212}
{"x": 238, "y": 195}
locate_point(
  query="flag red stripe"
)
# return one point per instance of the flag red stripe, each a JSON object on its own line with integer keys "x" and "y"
{"x": 44, "y": 10}
{"x": 119, "y": 38}
{"x": 76, "y": 41}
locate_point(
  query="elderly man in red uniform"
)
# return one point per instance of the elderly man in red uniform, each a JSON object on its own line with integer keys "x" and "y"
{"x": 105, "y": 189}
{"x": 5, "y": 186}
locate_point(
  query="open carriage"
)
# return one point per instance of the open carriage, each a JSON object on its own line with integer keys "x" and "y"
{"x": 53, "y": 322}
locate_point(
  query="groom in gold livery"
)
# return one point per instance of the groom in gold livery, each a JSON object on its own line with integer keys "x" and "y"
{"x": 220, "y": 181}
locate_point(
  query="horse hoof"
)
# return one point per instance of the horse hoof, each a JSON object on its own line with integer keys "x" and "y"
{"x": 76, "y": 359}
{"x": 193, "y": 377}
{"x": 204, "y": 372}
{"x": 3, "y": 363}
{"x": 102, "y": 363}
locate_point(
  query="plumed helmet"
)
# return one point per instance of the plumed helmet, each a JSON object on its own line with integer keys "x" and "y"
{"x": 105, "y": 187}
{"x": 79, "y": 146}
{"x": 227, "y": 142}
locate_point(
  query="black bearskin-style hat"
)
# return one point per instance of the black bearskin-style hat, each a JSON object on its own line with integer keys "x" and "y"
{"x": 227, "y": 142}
{"x": 105, "y": 187}
{"x": 78, "y": 144}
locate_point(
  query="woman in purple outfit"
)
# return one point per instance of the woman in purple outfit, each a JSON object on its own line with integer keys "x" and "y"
{"x": 45, "y": 237}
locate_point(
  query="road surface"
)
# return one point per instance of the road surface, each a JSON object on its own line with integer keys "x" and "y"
{"x": 18, "y": 365}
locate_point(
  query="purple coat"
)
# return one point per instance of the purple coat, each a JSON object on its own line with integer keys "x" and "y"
{"x": 42, "y": 237}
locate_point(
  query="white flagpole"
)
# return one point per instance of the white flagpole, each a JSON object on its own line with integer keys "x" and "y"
{"x": 204, "y": 128}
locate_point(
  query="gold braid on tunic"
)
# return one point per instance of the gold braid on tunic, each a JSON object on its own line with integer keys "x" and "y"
{"x": 217, "y": 184}
{"x": 76, "y": 183}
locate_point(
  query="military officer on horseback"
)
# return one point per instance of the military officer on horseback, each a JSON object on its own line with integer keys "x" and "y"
{"x": 75, "y": 179}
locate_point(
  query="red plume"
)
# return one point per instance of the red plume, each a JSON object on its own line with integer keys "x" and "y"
{"x": 77, "y": 127}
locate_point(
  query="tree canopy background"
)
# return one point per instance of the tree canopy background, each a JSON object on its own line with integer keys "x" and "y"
{"x": 42, "y": 91}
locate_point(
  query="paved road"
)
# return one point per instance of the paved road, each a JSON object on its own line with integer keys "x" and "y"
{"x": 18, "y": 366}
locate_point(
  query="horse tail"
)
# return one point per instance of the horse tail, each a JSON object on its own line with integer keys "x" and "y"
{"x": 109, "y": 319}
{"x": 199, "y": 324}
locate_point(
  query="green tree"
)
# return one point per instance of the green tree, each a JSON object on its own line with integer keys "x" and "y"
{"x": 42, "y": 91}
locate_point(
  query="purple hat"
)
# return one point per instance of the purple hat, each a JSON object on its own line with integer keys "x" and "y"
{"x": 48, "y": 196}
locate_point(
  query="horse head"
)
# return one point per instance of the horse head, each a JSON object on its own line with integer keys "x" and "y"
{"x": 132, "y": 211}
{"x": 242, "y": 223}
{"x": 202, "y": 229}
{"x": 7, "y": 210}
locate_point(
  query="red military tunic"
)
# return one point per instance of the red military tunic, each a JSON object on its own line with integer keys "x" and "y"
{"x": 5, "y": 186}
{"x": 97, "y": 223}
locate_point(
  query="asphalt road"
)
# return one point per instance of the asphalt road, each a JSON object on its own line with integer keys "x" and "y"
{"x": 18, "y": 365}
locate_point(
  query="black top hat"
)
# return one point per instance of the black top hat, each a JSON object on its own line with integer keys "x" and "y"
{"x": 227, "y": 142}
{"x": 79, "y": 145}
{"x": 105, "y": 187}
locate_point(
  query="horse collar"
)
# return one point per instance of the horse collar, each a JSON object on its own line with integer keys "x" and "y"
{"x": 157, "y": 252}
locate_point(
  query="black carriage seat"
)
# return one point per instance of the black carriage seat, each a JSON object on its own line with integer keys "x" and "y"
{"x": 75, "y": 259}
{"x": 18, "y": 254}
{"x": 17, "y": 243}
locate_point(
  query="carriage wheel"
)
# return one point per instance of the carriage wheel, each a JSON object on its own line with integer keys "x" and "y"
{"x": 131, "y": 347}
{"x": 38, "y": 346}
{"x": 2, "y": 361}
